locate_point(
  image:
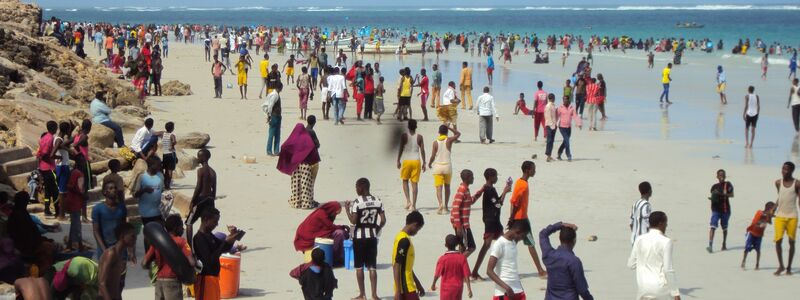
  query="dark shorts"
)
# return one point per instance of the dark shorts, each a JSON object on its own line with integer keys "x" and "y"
{"x": 409, "y": 296}
{"x": 752, "y": 243}
{"x": 750, "y": 121}
{"x": 169, "y": 161}
{"x": 718, "y": 218}
{"x": 62, "y": 178}
{"x": 467, "y": 241}
{"x": 365, "y": 253}
{"x": 404, "y": 101}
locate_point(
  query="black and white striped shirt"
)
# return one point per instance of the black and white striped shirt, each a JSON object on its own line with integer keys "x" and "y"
{"x": 366, "y": 210}
{"x": 640, "y": 218}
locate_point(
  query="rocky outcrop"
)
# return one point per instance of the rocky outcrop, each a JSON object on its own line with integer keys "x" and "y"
{"x": 23, "y": 17}
{"x": 176, "y": 88}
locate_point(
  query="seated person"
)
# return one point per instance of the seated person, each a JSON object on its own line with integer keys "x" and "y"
{"x": 319, "y": 224}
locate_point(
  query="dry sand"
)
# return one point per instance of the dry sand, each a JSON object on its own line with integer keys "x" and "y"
{"x": 595, "y": 191}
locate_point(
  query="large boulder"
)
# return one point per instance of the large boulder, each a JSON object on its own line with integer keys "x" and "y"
{"x": 176, "y": 88}
{"x": 193, "y": 140}
{"x": 101, "y": 137}
{"x": 186, "y": 162}
{"x": 132, "y": 110}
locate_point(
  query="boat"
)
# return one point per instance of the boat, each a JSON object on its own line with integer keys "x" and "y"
{"x": 689, "y": 25}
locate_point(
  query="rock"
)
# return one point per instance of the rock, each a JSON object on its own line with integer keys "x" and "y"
{"x": 4, "y": 188}
{"x": 28, "y": 135}
{"x": 181, "y": 203}
{"x": 176, "y": 88}
{"x": 7, "y": 290}
{"x": 193, "y": 140}
{"x": 101, "y": 137}
{"x": 186, "y": 162}
{"x": 99, "y": 167}
{"x": 132, "y": 110}
{"x": 592, "y": 238}
{"x": 178, "y": 174}
{"x": 139, "y": 167}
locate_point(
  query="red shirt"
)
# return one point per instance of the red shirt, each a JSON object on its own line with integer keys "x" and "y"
{"x": 369, "y": 85}
{"x": 754, "y": 229}
{"x": 46, "y": 162}
{"x": 453, "y": 268}
{"x": 459, "y": 213}
{"x": 539, "y": 101}
{"x": 423, "y": 84}
{"x": 164, "y": 270}
{"x": 73, "y": 201}
{"x": 591, "y": 93}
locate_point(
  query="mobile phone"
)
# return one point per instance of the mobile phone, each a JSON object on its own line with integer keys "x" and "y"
{"x": 509, "y": 180}
{"x": 240, "y": 234}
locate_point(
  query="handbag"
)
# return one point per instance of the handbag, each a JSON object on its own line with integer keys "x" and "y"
{"x": 61, "y": 280}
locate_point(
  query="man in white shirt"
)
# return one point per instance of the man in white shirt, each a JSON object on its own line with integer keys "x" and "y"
{"x": 448, "y": 108}
{"x": 640, "y": 212}
{"x": 486, "y": 110}
{"x": 502, "y": 268}
{"x": 145, "y": 140}
{"x": 651, "y": 257}
{"x": 337, "y": 87}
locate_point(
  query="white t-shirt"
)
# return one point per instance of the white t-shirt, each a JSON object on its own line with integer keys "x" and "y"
{"x": 506, "y": 253}
{"x": 336, "y": 85}
{"x": 448, "y": 96}
{"x": 142, "y": 135}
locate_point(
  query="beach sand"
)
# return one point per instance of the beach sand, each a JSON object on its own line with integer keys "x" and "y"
{"x": 595, "y": 191}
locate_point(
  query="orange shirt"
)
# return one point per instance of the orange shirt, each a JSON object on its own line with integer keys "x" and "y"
{"x": 754, "y": 229}
{"x": 519, "y": 198}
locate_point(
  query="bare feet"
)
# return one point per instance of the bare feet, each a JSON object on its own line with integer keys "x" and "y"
{"x": 789, "y": 272}
{"x": 724, "y": 247}
{"x": 359, "y": 297}
{"x": 408, "y": 205}
{"x": 757, "y": 267}
{"x": 743, "y": 268}
{"x": 779, "y": 271}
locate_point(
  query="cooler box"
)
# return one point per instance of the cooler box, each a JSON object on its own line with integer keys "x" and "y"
{"x": 326, "y": 245}
{"x": 230, "y": 268}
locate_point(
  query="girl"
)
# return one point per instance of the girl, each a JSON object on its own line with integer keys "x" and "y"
{"x": 379, "y": 107}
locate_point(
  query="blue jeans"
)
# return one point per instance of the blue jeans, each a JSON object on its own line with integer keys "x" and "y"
{"x": 719, "y": 218}
{"x": 565, "y": 133}
{"x": 580, "y": 102}
{"x": 338, "y": 109}
{"x": 149, "y": 144}
{"x": 75, "y": 227}
{"x": 274, "y": 135}
{"x": 117, "y": 132}
{"x": 665, "y": 93}
{"x": 551, "y": 137}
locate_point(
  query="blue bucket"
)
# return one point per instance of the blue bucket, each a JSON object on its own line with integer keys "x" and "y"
{"x": 327, "y": 246}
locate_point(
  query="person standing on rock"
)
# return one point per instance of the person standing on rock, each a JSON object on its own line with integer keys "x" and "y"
{"x": 101, "y": 115}
{"x": 47, "y": 167}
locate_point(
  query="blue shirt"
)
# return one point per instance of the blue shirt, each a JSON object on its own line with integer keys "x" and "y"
{"x": 108, "y": 219}
{"x": 99, "y": 111}
{"x": 565, "y": 279}
{"x": 150, "y": 203}
{"x": 98, "y": 37}
{"x": 490, "y": 62}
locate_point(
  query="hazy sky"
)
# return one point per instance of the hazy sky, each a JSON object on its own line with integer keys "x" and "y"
{"x": 415, "y": 3}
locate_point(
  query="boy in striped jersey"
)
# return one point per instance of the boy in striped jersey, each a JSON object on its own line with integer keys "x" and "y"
{"x": 364, "y": 212}
{"x": 640, "y": 213}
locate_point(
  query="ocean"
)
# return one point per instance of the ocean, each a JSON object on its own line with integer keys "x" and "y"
{"x": 772, "y": 23}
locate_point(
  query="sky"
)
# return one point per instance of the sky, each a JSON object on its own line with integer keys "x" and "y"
{"x": 404, "y": 3}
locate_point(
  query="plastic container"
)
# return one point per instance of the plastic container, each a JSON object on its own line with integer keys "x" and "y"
{"x": 230, "y": 269}
{"x": 348, "y": 254}
{"x": 327, "y": 246}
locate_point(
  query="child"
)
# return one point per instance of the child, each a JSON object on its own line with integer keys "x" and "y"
{"x": 288, "y": 66}
{"x": 170, "y": 160}
{"x": 752, "y": 107}
{"x": 568, "y": 89}
{"x": 73, "y": 202}
{"x": 114, "y": 168}
{"x": 167, "y": 286}
{"x": 520, "y": 106}
{"x": 721, "y": 192}
{"x": 502, "y": 268}
{"x": 406, "y": 283}
{"x": 379, "y": 108}
{"x": 756, "y": 231}
{"x": 453, "y": 268}
{"x": 459, "y": 213}
{"x": 492, "y": 202}
{"x": 365, "y": 213}
{"x": 316, "y": 278}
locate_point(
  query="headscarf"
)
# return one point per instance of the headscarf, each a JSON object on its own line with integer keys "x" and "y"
{"x": 318, "y": 224}
{"x": 296, "y": 149}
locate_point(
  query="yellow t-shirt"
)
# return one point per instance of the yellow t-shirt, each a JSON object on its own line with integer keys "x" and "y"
{"x": 406, "y": 89}
{"x": 240, "y": 67}
{"x": 665, "y": 75}
{"x": 264, "y": 67}
{"x": 403, "y": 254}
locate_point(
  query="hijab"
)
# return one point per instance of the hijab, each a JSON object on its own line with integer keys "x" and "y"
{"x": 298, "y": 148}
{"x": 318, "y": 224}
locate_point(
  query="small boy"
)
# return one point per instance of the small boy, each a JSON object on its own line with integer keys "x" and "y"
{"x": 170, "y": 159}
{"x": 167, "y": 286}
{"x": 288, "y": 66}
{"x": 492, "y": 203}
{"x": 453, "y": 268}
{"x": 112, "y": 263}
{"x": 379, "y": 106}
{"x": 114, "y": 168}
{"x": 366, "y": 213}
{"x": 73, "y": 202}
{"x": 316, "y": 278}
{"x": 721, "y": 192}
{"x": 406, "y": 283}
{"x": 520, "y": 106}
{"x": 459, "y": 213}
{"x": 756, "y": 231}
